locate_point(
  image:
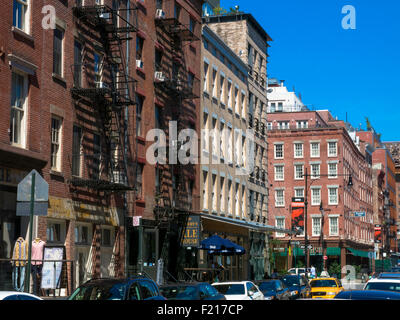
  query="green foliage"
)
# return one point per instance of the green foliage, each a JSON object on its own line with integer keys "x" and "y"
{"x": 218, "y": 11}
{"x": 334, "y": 269}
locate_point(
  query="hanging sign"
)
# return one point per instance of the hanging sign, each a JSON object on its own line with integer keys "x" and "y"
{"x": 298, "y": 207}
{"x": 191, "y": 237}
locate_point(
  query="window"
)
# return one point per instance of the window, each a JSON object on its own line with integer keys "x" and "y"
{"x": 192, "y": 25}
{"x": 77, "y": 64}
{"x": 106, "y": 237}
{"x": 147, "y": 289}
{"x": 332, "y": 170}
{"x": 18, "y": 109}
{"x": 314, "y": 146}
{"x": 316, "y": 226}
{"x": 139, "y": 51}
{"x": 243, "y": 105}
{"x": 139, "y": 180}
{"x": 279, "y": 198}
{"x": 237, "y": 203}
{"x": 298, "y": 171}
{"x": 315, "y": 170}
{"x": 298, "y": 150}
{"x": 222, "y": 195}
{"x": 333, "y": 195}
{"x": 302, "y": 124}
{"x": 299, "y": 192}
{"x": 76, "y": 151}
{"x": 205, "y": 187}
{"x": 54, "y": 231}
{"x": 98, "y": 59}
{"x": 205, "y": 80}
{"x": 55, "y": 143}
{"x": 280, "y": 108}
{"x": 272, "y": 108}
{"x": 279, "y": 172}
{"x": 214, "y": 83}
{"x": 315, "y": 196}
{"x": 214, "y": 192}
{"x": 280, "y": 223}
{"x": 96, "y": 156}
{"x": 269, "y": 125}
{"x": 278, "y": 151}
{"x": 333, "y": 226}
{"x": 82, "y": 234}
{"x": 58, "y": 51}
{"x": 282, "y": 125}
{"x": 139, "y": 108}
{"x": 177, "y": 11}
{"x": 229, "y": 94}
{"x": 159, "y": 4}
{"x": 20, "y": 15}
{"x": 237, "y": 101}
{"x": 221, "y": 88}
{"x": 229, "y": 209}
{"x": 332, "y": 148}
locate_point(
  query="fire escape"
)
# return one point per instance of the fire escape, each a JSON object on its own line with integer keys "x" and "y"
{"x": 107, "y": 90}
{"x": 173, "y": 80}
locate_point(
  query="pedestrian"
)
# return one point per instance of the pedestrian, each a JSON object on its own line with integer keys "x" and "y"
{"x": 313, "y": 272}
{"x": 275, "y": 274}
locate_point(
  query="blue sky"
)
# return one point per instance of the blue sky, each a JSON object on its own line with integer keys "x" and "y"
{"x": 354, "y": 71}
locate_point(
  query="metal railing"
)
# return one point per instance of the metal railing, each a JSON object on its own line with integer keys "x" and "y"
{"x": 55, "y": 279}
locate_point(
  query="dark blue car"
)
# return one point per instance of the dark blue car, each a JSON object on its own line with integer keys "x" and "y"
{"x": 191, "y": 291}
{"x": 274, "y": 289}
{"x": 297, "y": 284}
{"x": 135, "y": 288}
{"x": 368, "y": 295}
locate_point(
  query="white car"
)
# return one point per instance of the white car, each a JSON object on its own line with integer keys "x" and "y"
{"x": 239, "y": 290}
{"x": 300, "y": 271}
{"x": 384, "y": 282}
{"x": 16, "y": 295}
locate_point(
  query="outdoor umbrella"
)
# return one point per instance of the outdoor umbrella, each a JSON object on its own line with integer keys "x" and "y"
{"x": 214, "y": 243}
{"x": 217, "y": 245}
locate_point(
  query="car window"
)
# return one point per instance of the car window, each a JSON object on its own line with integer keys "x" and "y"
{"x": 147, "y": 289}
{"x": 103, "y": 291}
{"x": 12, "y": 297}
{"x": 209, "y": 290}
{"x": 267, "y": 286}
{"x": 134, "y": 292}
{"x": 387, "y": 286}
{"x": 203, "y": 290}
{"x": 180, "y": 292}
{"x": 323, "y": 283}
{"x": 228, "y": 289}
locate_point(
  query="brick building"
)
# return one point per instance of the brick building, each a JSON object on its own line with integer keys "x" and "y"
{"x": 322, "y": 152}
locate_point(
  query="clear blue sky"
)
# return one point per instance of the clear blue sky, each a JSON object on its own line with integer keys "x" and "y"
{"x": 354, "y": 71}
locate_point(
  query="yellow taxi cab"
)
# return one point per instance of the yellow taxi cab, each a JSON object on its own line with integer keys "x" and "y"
{"x": 325, "y": 288}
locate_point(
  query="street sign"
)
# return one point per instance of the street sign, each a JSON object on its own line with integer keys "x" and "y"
{"x": 325, "y": 257}
{"x": 359, "y": 214}
{"x": 309, "y": 246}
{"x": 41, "y": 195}
{"x": 136, "y": 221}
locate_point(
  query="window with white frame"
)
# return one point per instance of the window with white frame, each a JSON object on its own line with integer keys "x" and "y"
{"x": 21, "y": 15}
{"x": 315, "y": 170}
{"x": 76, "y": 150}
{"x": 334, "y": 226}
{"x": 278, "y": 151}
{"x": 332, "y": 148}
{"x": 19, "y": 94}
{"x": 214, "y": 83}
{"x": 205, "y": 80}
{"x": 237, "y": 101}
{"x": 205, "y": 188}
{"x": 303, "y": 124}
{"x": 279, "y": 198}
{"x": 315, "y": 149}
{"x": 298, "y": 171}
{"x": 229, "y": 145}
{"x": 222, "y": 195}
{"x": 229, "y": 209}
{"x": 332, "y": 169}
{"x": 298, "y": 150}
{"x": 280, "y": 223}
{"x": 282, "y": 125}
{"x": 237, "y": 203}
{"x": 315, "y": 196}
{"x": 55, "y": 143}
{"x": 243, "y": 105}
{"x": 221, "y": 88}
{"x": 214, "y": 192}
{"x": 269, "y": 125}
{"x": 58, "y": 40}
{"x": 279, "y": 172}
{"x": 229, "y": 93}
{"x": 107, "y": 237}
{"x": 204, "y": 133}
{"x": 333, "y": 195}
{"x": 299, "y": 192}
{"x": 243, "y": 201}
{"x": 83, "y": 234}
{"x": 316, "y": 226}
{"x": 55, "y": 231}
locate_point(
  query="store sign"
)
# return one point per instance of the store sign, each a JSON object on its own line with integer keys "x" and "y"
{"x": 191, "y": 236}
{"x": 378, "y": 233}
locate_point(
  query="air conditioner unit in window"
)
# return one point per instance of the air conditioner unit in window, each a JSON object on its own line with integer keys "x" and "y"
{"x": 159, "y": 75}
{"x": 105, "y": 15}
{"x": 101, "y": 85}
{"x": 139, "y": 64}
{"x": 160, "y": 14}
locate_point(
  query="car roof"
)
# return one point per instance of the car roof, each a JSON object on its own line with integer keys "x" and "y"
{"x": 4, "y": 294}
{"x": 182, "y": 284}
{"x": 384, "y": 280}
{"x": 114, "y": 280}
{"x": 389, "y": 275}
{"x": 231, "y": 282}
{"x": 324, "y": 278}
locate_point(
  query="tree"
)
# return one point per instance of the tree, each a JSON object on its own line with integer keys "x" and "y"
{"x": 219, "y": 11}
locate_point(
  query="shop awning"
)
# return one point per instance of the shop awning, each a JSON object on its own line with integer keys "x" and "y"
{"x": 358, "y": 253}
{"x": 333, "y": 251}
{"x": 217, "y": 245}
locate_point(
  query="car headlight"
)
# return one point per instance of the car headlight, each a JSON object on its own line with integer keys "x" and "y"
{"x": 293, "y": 293}
{"x": 269, "y": 298}
{"x": 331, "y": 293}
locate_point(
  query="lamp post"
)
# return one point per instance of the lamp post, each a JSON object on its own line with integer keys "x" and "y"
{"x": 306, "y": 175}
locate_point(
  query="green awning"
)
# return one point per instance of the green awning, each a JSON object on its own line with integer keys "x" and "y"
{"x": 333, "y": 251}
{"x": 298, "y": 252}
{"x": 358, "y": 253}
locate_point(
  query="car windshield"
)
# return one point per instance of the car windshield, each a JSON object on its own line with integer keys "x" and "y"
{"x": 387, "y": 286}
{"x": 235, "y": 288}
{"x": 103, "y": 291}
{"x": 323, "y": 283}
{"x": 179, "y": 292}
{"x": 291, "y": 281}
{"x": 266, "y": 286}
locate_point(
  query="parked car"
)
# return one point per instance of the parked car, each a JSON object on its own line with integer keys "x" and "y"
{"x": 191, "y": 291}
{"x": 274, "y": 290}
{"x": 389, "y": 275}
{"x": 325, "y": 288}
{"x": 368, "y": 295}
{"x": 298, "y": 285}
{"x": 17, "y": 295}
{"x": 383, "y": 282}
{"x": 239, "y": 290}
{"x": 136, "y": 288}
{"x": 300, "y": 271}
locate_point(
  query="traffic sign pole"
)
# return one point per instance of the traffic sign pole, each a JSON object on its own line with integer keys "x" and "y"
{"x": 28, "y": 269}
